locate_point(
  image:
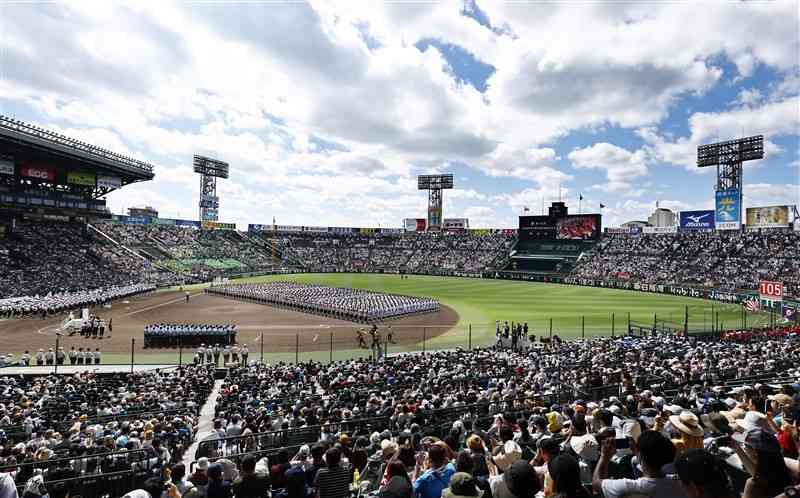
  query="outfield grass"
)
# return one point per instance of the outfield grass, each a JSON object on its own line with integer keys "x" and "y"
{"x": 479, "y": 302}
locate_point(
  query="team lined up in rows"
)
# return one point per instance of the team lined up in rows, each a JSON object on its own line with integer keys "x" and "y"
{"x": 349, "y": 304}
{"x": 65, "y": 301}
{"x": 188, "y": 334}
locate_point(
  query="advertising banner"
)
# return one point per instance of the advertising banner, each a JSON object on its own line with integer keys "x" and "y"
{"x": 38, "y": 172}
{"x": 81, "y": 178}
{"x": 767, "y": 217}
{"x": 109, "y": 182}
{"x": 216, "y": 225}
{"x": 367, "y": 230}
{"x": 391, "y": 231}
{"x": 671, "y": 229}
{"x": 578, "y": 227}
{"x": 316, "y": 229}
{"x": 697, "y": 220}
{"x": 771, "y": 291}
{"x": 163, "y": 221}
{"x": 6, "y": 167}
{"x": 455, "y": 223}
{"x": 209, "y": 201}
{"x": 728, "y": 212}
{"x": 135, "y": 220}
{"x": 342, "y": 230}
{"x": 434, "y": 218}
{"x": 422, "y": 224}
{"x": 188, "y": 223}
{"x": 410, "y": 224}
{"x": 618, "y": 230}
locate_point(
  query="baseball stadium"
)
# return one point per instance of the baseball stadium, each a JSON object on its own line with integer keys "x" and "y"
{"x": 560, "y": 349}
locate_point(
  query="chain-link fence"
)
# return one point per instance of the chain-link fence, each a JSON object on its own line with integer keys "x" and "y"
{"x": 345, "y": 341}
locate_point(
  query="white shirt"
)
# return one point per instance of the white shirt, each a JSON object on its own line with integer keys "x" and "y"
{"x": 667, "y": 487}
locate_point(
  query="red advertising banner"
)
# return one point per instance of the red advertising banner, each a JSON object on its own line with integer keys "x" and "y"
{"x": 37, "y": 171}
{"x": 421, "y": 222}
{"x": 772, "y": 291}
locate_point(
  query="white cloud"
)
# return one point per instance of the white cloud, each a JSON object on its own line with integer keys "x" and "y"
{"x": 771, "y": 119}
{"x": 255, "y": 84}
{"x": 748, "y": 97}
{"x": 621, "y": 166}
{"x": 765, "y": 194}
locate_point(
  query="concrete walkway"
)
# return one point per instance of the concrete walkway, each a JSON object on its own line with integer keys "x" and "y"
{"x": 205, "y": 424}
{"x": 73, "y": 369}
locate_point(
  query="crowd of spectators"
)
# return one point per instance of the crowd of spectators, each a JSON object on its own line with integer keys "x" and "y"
{"x": 41, "y": 258}
{"x": 205, "y": 253}
{"x": 411, "y": 252}
{"x": 610, "y": 416}
{"x": 726, "y": 260}
{"x": 57, "y": 428}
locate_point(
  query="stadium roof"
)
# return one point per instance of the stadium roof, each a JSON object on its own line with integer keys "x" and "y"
{"x": 22, "y": 134}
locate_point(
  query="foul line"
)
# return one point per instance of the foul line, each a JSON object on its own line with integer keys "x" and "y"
{"x": 148, "y": 308}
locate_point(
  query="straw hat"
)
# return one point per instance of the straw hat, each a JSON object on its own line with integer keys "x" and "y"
{"x": 687, "y": 423}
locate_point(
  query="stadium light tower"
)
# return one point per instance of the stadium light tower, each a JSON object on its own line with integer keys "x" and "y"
{"x": 210, "y": 170}
{"x": 434, "y": 184}
{"x": 728, "y": 158}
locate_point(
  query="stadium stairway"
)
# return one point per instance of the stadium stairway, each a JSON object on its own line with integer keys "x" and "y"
{"x": 205, "y": 424}
{"x": 136, "y": 254}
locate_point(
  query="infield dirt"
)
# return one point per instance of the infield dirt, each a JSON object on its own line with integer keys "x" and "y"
{"x": 283, "y": 330}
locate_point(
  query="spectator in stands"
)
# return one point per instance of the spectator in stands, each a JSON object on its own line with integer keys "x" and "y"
{"x": 654, "y": 451}
{"x": 519, "y": 481}
{"x": 199, "y": 477}
{"x": 462, "y": 485}
{"x": 761, "y": 455}
{"x": 277, "y": 471}
{"x": 333, "y": 481}
{"x": 702, "y": 475}
{"x": 178, "y": 478}
{"x": 398, "y": 484}
{"x": 434, "y": 473}
{"x": 565, "y": 478}
{"x": 217, "y": 487}
{"x": 249, "y": 484}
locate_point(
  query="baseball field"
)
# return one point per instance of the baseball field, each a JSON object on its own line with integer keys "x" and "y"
{"x": 469, "y": 312}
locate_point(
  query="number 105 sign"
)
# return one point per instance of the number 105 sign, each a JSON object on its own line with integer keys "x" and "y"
{"x": 772, "y": 291}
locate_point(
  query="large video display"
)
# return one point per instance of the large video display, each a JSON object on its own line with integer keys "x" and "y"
{"x": 570, "y": 227}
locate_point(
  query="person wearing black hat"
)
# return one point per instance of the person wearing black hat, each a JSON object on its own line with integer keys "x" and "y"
{"x": 519, "y": 481}
{"x": 217, "y": 487}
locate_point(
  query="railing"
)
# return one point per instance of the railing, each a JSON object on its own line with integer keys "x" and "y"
{"x": 108, "y": 462}
{"x": 305, "y": 435}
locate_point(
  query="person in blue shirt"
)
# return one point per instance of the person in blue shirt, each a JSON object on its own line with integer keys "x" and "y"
{"x": 437, "y": 477}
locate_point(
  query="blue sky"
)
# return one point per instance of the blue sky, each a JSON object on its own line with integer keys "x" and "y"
{"x": 327, "y": 117}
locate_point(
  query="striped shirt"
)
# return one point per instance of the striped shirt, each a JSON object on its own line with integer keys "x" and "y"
{"x": 333, "y": 482}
